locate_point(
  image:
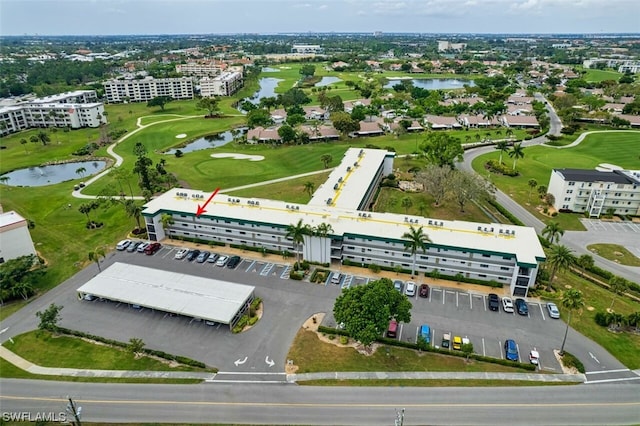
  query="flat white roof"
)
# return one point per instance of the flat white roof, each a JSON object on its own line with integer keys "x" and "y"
{"x": 521, "y": 241}
{"x": 357, "y": 170}
{"x": 10, "y": 218}
{"x": 167, "y": 291}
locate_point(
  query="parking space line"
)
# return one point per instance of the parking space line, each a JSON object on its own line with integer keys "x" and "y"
{"x": 250, "y": 266}
{"x": 518, "y": 348}
{"x": 457, "y": 299}
{"x": 500, "y": 347}
{"x": 471, "y": 301}
{"x": 400, "y": 334}
{"x": 285, "y": 273}
{"x": 168, "y": 251}
{"x": 542, "y": 312}
{"x": 483, "y": 351}
{"x": 267, "y": 268}
{"x": 443, "y": 293}
{"x": 484, "y": 303}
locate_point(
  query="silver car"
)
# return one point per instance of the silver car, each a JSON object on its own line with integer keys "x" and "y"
{"x": 553, "y": 310}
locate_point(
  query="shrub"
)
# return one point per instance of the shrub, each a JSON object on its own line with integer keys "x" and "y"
{"x": 252, "y": 320}
{"x": 374, "y": 268}
{"x": 502, "y": 169}
{"x": 344, "y": 340}
{"x": 601, "y": 319}
{"x": 506, "y": 213}
{"x": 296, "y": 276}
{"x": 256, "y": 302}
{"x": 178, "y": 153}
{"x": 569, "y": 360}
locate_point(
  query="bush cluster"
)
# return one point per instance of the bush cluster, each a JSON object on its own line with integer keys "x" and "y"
{"x": 319, "y": 275}
{"x": 570, "y": 360}
{"x": 88, "y": 149}
{"x": 497, "y": 167}
{"x": 297, "y": 276}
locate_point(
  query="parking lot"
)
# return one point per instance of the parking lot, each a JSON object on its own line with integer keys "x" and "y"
{"x": 289, "y": 303}
{"x": 601, "y": 225}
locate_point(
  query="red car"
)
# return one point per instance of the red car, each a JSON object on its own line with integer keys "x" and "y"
{"x": 152, "y": 248}
{"x": 424, "y": 291}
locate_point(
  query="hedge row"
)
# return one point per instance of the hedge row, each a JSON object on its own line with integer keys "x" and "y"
{"x": 160, "y": 354}
{"x": 570, "y": 360}
{"x": 506, "y": 213}
{"x": 409, "y": 345}
{"x": 503, "y": 169}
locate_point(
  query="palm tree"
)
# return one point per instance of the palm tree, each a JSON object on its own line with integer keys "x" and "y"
{"x": 324, "y": 229}
{"x": 23, "y": 142}
{"x": 416, "y": 240}
{"x": 532, "y": 184}
{"x": 509, "y": 132}
{"x": 517, "y": 152}
{"x": 121, "y": 174}
{"x": 43, "y": 137}
{"x": 167, "y": 221}
{"x": 309, "y": 187}
{"x": 502, "y": 146}
{"x": 81, "y": 171}
{"x": 95, "y": 256}
{"x": 296, "y": 233}
{"x": 618, "y": 286}
{"x": 560, "y": 257}
{"x": 542, "y": 191}
{"x": 133, "y": 210}
{"x": 326, "y": 160}
{"x": 406, "y": 203}
{"x": 571, "y": 300}
{"x": 585, "y": 261}
{"x": 553, "y": 232}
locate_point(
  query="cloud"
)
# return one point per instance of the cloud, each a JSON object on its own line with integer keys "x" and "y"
{"x": 322, "y": 7}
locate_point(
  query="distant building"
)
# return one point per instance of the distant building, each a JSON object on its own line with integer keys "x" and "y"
{"x": 596, "y": 191}
{"x": 445, "y": 46}
{"x": 14, "y": 232}
{"x": 73, "y": 110}
{"x": 143, "y": 90}
{"x": 197, "y": 69}
{"x": 306, "y": 48}
{"x": 225, "y": 84}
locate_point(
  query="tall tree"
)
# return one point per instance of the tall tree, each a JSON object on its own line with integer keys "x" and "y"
{"x": 573, "y": 301}
{"x": 532, "y": 185}
{"x": 96, "y": 255}
{"x": 465, "y": 187}
{"x": 326, "y": 159}
{"x": 618, "y": 285}
{"x": 210, "y": 104}
{"x": 435, "y": 181}
{"x": 307, "y": 70}
{"x": 406, "y": 203}
{"x": 23, "y": 142}
{"x": 553, "y": 232}
{"x": 585, "y": 261}
{"x": 81, "y": 171}
{"x": 309, "y": 187}
{"x": 167, "y": 221}
{"x": 160, "y": 101}
{"x": 343, "y": 122}
{"x": 416, "y": 240}
{"x": 49, "y": 318}
{"x": 502, "y": 146}
{"x": 367, "y": 309}
{"x": 43, "y": 137}
{"x": 442, "y": 150}
{"x": 517, "y": 152}
{"x": 133, "y": 210}
{"x": 296, "y": 233}
{"x": 559, "y": 258}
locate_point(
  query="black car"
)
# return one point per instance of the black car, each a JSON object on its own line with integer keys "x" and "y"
{"x": 424, "y": 291}
{"x": 192, "y": 255}
{"x": 494, "y": 302}
{"x": 233, "y": 262}
{"x": 521, "y": 307}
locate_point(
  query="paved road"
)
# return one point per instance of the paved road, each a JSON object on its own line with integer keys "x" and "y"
{"x": 287, "y": 404}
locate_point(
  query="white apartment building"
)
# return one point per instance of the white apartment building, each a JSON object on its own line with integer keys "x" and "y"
{"x": 197, "y": 69}
{"x": 444, "y": 46}
{"x": 73, "y": 110}
{"x": 596, "y": 191}
{"x": 225, "y": 84}
{"x": 506, "y": 254}
{"x": 143, "y": 90}
{"x": 14, "y": 232}
{"x": 306, "y": 48}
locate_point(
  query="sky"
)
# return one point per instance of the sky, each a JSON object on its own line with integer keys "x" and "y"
{"x": 116, "y": 17}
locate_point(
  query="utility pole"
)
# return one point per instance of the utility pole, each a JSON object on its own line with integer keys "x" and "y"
{"x": 75, "y": 411}
{"x": 399, "y": 417}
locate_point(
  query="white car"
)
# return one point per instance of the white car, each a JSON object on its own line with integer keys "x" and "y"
{"x": 122, "y": 245}
{"x": 534, "y": 357}
{"x": 507, "y": 304}
{"x": 142, "y": 246}
{"x": 553, "y": 310}
{"x": 222, "y": 260}
{"x": 410, "y": 290}
{"x": 181, "y": 253}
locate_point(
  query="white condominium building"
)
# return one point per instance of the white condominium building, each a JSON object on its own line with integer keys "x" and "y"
{"x": 595, "y": 191}
{"x": 143, "y": 90}
{"x": 197, "y": 69}
{"x": 506, "y": 254}
{"x": 306, "y": 48}
{"x": 14, "y": 231}
{"x": 225, "y": 84}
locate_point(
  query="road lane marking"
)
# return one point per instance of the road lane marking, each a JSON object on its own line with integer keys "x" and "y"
{"x": 250, "y": 266}
{"x": 607, "y": 371}
{"x": 625, "y": 379}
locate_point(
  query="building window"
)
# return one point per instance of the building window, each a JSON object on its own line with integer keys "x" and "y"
{"x": 486, "y": 255}
{"x": 484, "y": 265}
{"x": 570, "y": 191}
{"x": 567, "y": 198}
{"x": 572, "y": 183}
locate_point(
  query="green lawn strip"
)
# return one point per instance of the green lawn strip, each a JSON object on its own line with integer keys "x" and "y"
{"x": 624, "y": 346}
{"x": 292, "y": 190}
{"x": 615, "y": 148}
{"x": 11, "y": 308}
{"x": 596, "y": 76}
{"x": 430, "y": 383}
{"x": 48, "y": 350}
{"x": 615, "y": 253}
{"x": 10, "y": 371}
{"x": 312, "y": 355}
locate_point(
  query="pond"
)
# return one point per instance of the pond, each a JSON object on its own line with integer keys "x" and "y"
{"x": 206, "y": 142}
{"x": 267, "y": 89}
{"x": 269, "y": 69}
{"x": 327, "y": 81}
{"x": 433, "y": 83}
{"x": 55, "y": 173}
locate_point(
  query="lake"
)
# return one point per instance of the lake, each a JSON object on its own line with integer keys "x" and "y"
{"x": 206, "y": 142}
{"x": 55, "y": 173}
{"x": 433, "y": 83}
{"x": 327, "y": 81}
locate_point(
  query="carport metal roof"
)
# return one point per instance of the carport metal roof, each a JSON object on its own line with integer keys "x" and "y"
{"x": 167, "y": 291}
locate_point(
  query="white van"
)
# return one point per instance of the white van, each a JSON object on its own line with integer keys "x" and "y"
{"x": 336, "y": 278}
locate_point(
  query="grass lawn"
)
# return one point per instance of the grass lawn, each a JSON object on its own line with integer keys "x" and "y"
{"x": 312, "y": 355}
{"x": 440, "y": 383}
{"x": 624, "y": 346}
{"x": 615, "y": 253}
{"x": 10, "y": 371}
{"x": 596, "y": 76}
{"x": 618, "y": 148}
{"x": 44, "y": 349}
{"x": 291, "y": 190}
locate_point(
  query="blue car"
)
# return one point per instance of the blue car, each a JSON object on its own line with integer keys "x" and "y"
{"x": 425, "y": 333}
{"x": 511, "y": 350}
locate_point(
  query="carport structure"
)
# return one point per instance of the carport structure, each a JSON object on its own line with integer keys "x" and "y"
{"x": 197, "y": 297}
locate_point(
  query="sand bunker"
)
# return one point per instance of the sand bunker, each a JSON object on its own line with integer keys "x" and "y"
{"x": 238, "y": 156}
{"x": 181, "y": 136}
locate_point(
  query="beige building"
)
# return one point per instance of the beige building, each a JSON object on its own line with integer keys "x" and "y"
{"x": 143, "y": 90}
{"x": 226, "y": 84}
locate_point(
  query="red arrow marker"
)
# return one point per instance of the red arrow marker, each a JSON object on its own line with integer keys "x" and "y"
{"x": 202, "y": 209}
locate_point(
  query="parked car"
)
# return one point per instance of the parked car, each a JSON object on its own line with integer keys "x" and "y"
{"x": 510, "y": 350}
{"x": 142, "y": 247}
{"x": 181, "y": 254}
{"x": 193, "y": 254}
{"x": 133, "y": 246}
{"x": 507, "y": 305}
{"x": 446, "y": 341}
{"x": 89, "y": 297}
{"x": 202, "y": 256}
{"x": 123, "y": 245}
{"x": 553, "y": 310}
{"x": 457, "y": 343}
{"x": 392, "y": 331}
{"x": 213, "y": 257}
{"x": 411, "y": 289}
{"x": 424, "y": 291}
{"x": 336, "y": 278}
{"x": 425, "y": 333}
{"x": 521, "y": 307}
{"x": 152, "y": 248}
{"x": 494, "y": 302}
{"x": 233, "y": 262}
{"x": 398, "y": 285}
{"x": 222, "y": 260}
{"x": 534, "y": 357}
